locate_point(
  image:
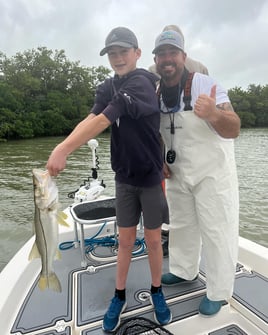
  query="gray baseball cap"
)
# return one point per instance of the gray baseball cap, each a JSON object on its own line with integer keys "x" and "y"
{"x": 122, "y": 37}
{"x": 169, "y": 37}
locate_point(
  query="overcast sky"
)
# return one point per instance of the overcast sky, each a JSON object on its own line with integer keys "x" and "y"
{"x": 229, "y": 37}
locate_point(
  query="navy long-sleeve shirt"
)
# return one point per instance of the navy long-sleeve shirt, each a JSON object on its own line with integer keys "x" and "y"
{"x": 131, "y": 105}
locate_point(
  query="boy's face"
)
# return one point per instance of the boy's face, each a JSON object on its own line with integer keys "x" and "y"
{"x": 123, "y": 60}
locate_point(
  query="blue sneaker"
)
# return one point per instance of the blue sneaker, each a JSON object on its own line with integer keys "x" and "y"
{"x": 111, "y": 318}
{"x": 209, "y": 307}
{"x": 162, "y": 313}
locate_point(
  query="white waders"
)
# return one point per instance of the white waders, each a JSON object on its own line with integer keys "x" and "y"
{"x": 202, "y": 194}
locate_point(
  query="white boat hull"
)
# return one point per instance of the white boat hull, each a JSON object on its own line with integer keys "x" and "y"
{"x": 87, "y": 290}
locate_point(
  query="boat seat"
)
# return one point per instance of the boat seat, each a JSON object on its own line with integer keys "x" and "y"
{"x": 91, "y": 212}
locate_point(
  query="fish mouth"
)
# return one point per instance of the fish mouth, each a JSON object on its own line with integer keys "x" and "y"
{"x": 45, "y": 190}
{"x": 40, "y": 174}
{"x": 40, "y": 178}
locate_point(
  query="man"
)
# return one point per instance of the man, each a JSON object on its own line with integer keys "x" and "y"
{"x": 128, "y": 102}
{"x": 192, "y": 66}
{"x": 202, "y": 190}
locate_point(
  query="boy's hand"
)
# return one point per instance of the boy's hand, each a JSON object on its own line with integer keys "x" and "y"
{"x": 166, "y": 171}
{"x": 56, "y": 162}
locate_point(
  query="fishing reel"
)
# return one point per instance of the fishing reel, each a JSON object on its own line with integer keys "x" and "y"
{"x": 90, "y": 190}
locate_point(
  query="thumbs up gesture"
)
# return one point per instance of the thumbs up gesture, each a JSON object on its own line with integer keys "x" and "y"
{"x": 205, "y": 106}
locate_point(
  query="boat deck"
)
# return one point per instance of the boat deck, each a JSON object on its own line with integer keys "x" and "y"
{"x": 86, "y": 294}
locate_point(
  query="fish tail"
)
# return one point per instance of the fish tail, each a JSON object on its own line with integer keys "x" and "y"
{"x": 61, "y": 219}
{"x": 51, "y": 281}
{"x": 57, "y": 254}
{"x": 34, "y": 253}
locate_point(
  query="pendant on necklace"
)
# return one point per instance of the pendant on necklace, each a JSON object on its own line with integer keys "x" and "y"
{"x": 172, "y": 128}
{"x": 171, "y": 156}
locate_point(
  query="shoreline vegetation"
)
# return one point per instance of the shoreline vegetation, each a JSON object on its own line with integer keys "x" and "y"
{"x": 42, "y": 93}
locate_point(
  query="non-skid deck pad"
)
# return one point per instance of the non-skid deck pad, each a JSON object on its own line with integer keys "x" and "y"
{"x": 229, "y": 330}
{"x": 95, "y": 291}
{"x": 250, "y": 290}
{"x": 67, "y": 331}
{"x": 180, "y": 309}
{"x": 42, "y": 309}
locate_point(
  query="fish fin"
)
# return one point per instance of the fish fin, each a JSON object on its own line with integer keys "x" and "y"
{"x": 61, "y": 219}
{"x": 57, "y": 254}
{"x": 51, "y": 281}
{"x": 34, "y": 253}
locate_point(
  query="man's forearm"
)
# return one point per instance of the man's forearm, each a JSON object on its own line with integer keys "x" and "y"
{"x": 227, "y": 122}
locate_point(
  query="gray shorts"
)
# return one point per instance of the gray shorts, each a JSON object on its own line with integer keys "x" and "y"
{"x": 131, "y": 201}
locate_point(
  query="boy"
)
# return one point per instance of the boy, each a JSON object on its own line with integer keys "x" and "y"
{"x": 128, "y": 102}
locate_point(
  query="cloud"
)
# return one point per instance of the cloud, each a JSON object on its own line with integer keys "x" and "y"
{"x": 229, "y": 37}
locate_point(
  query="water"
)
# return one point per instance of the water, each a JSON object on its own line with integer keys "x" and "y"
{"x": 252, "y": 163}
{"x": 18, "y": 158}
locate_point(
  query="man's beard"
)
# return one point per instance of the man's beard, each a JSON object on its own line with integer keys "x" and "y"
{"x": 168, "y": 74}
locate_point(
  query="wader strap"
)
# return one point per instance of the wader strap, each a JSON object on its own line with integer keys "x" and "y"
{"x": 187, "y": 98}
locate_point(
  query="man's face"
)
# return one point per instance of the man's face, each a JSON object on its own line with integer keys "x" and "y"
{"x": 169, "y": 62}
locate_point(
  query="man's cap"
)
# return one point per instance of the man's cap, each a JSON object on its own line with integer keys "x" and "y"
{"x": 169, "y": 37}
{"x": 175, "y": 28}
{"x": 122, "y": 37}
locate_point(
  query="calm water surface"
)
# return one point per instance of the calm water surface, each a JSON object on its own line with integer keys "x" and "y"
{"x": 18, "y": 158}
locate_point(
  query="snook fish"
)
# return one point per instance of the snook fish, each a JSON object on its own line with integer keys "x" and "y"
{"x": 46, "y": 220}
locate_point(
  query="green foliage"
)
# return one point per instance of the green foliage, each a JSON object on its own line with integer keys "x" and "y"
{"x": 42, "y": 93}
{"x": 7, "y": 121}
{"x": 251, "y": 105}
{"x": 247, "y": 119}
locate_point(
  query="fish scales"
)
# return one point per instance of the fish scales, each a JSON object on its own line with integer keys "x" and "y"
{"x": 46, "y": 220}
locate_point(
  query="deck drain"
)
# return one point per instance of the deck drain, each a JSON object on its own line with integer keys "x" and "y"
{"x": 143, "y": 296}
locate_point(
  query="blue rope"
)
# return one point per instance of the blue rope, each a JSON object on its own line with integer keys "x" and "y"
{"x": 106, "y": 241}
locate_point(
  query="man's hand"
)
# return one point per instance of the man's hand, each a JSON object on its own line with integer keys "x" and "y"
{"x": 205, "y": 106}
